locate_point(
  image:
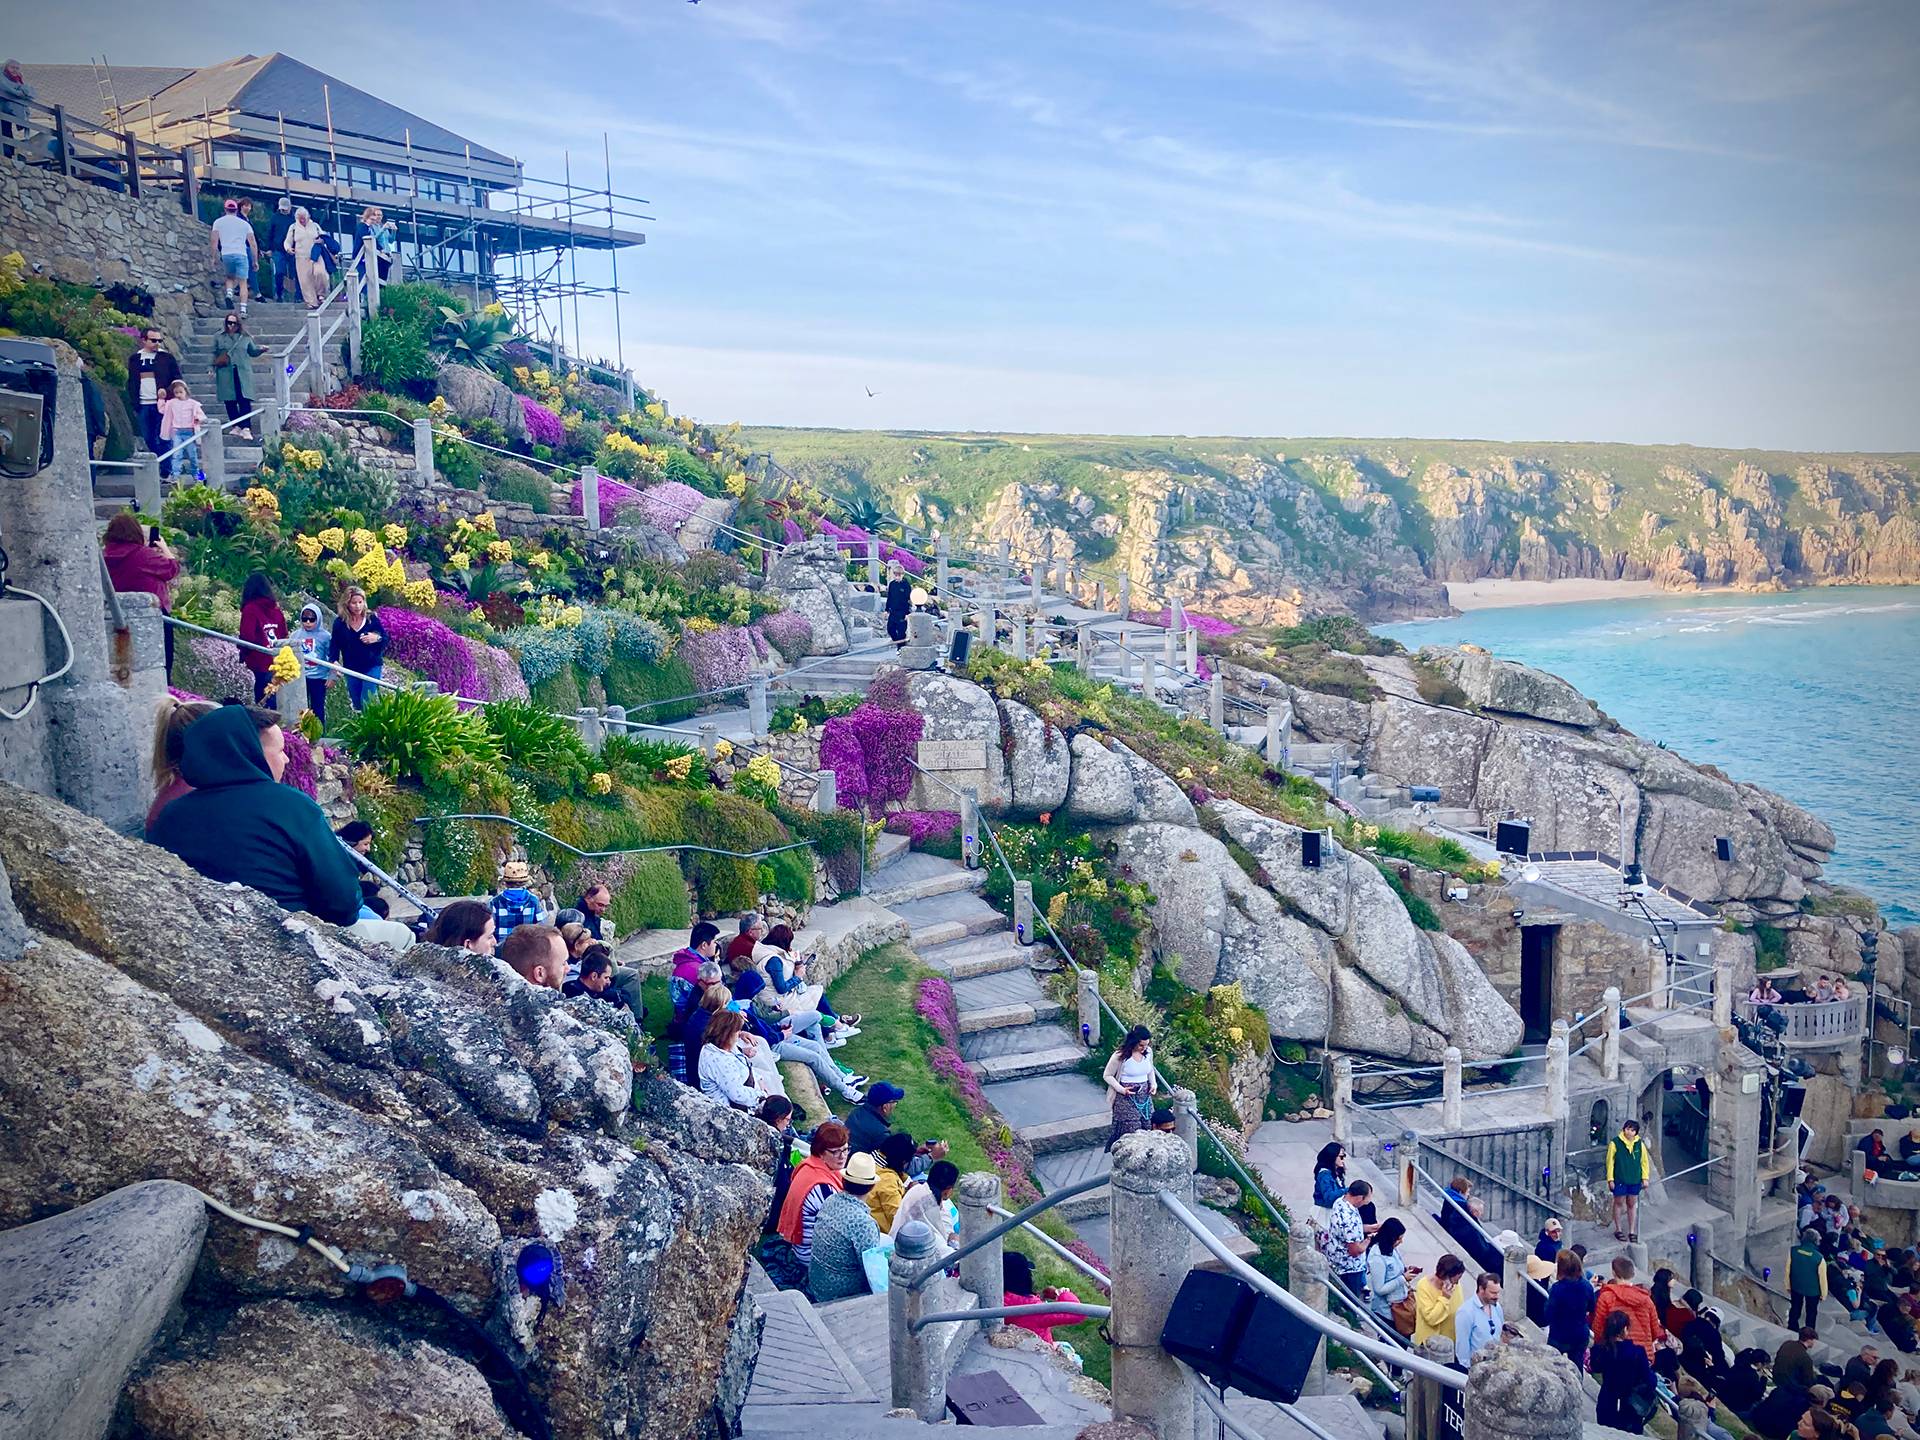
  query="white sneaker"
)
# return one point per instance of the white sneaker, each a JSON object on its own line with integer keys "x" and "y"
{"x": 836, "y": 1042}
{"x": 846, "y": 1032}
{"x": 853, "y": 1097}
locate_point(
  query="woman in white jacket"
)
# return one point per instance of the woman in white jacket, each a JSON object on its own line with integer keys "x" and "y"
{"x": 725, "y": 1074}
{"x": 301, "y": 238}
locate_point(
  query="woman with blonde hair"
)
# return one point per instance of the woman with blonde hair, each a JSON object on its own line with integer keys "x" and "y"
{"x": 303, "y": 235}
{"x": 170, "y": 725}
{"x": 724, "y": 1073}
{"x": 359, "y": 643}
{"x": 898, "y": 603}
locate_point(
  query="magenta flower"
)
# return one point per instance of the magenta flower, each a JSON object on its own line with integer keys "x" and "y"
{"x": 920, "y": 826}
{"x": 668, "y": 505}
{"x": 432, "y": 651}
{"x": 719, "y": 658}
{"x": 543, "y": 426}
{"x": 871, "y": 754}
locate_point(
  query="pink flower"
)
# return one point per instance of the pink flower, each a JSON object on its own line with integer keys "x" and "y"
{"x": 432, "y": 651}
{"x": 543, "y": 426}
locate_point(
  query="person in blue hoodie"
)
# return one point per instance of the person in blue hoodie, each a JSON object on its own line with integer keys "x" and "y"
{"x": 239, "y": 823}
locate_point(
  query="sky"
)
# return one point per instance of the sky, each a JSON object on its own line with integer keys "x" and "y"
{"x": 1520, "y": 220}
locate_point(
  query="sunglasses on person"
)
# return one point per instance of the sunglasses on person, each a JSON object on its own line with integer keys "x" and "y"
{"x": 233, "y": 322}
{"x": 152, "y": 337}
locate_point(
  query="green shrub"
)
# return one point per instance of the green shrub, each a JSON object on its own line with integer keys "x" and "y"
{"x": 558, "y": 692}
{"x": 519, "y": 483}
{"x": 637, "y": 759}
{"x": 632, "y": 685}
{"x": 311, "y": 497}
{"x": 412, "y": 735}
{"x": 1437, "y": 687}
{"x": 654, "y": 899}
{"x": 789, "y": 875}
{"x": 456, "y": 462}
{"x": 417, "y": 304}
{"x": 393, "y": 354}
{"x": 1418, "y": 910}
{"x": 535, "y": 739}
{"x": 682, "y": 466}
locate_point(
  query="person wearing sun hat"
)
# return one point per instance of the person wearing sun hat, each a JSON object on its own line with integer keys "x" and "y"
{"x": 844, "y": 1229}
{"x": 515, "y": 904}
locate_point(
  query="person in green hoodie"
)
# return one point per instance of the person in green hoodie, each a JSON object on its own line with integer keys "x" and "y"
{"x": 239, "y": 823}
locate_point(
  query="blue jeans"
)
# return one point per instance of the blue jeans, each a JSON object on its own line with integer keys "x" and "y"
{"x": 358, "y": 690}
{"x": 813, "y": 1055}
{"x": 284, "y": 275}
{"x": 188, "y": 460}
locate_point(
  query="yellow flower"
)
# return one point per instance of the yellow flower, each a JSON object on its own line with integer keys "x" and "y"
{"x": 308, "y": 547}
{"x": 484, "y": 521}
{"x": 396, "y": 575}
{"x": 371, "y": 571}
{"x": 600, "y": 782}
{"x": 763, "y": 770}
{"x": 1185, "y": 773}
{"x": 1236, "y": 1034}
{"x": 285, "y": 666}
{"x": 364, "y": 540}
{"x": 723, "y": 748}
{"x": 1057, "y": 909}
{"x": 500, "y": 551}
{"x": 699, "y": 625}
{"x": 313, "y": 459}
{"x": 680, "y": 767}
{"x": 459, "y": 560}
{"x": 438, "y": 407}
{"x": 619, "y": 444}
{"x": 737, "y": 484}
{"x": 259, "y": 498}
{"x": 394, "y": 535}
{"x": 522, "y": 374}
{"x": 538, "y": 560}
{"x": 337, "y": 568}
{"x": 420, "y": 594}
{"x": 493, "y": 308}
{"x": 656, "y": 411}
{"x": 334, "y": 538}
{"x": 800, "y": 725}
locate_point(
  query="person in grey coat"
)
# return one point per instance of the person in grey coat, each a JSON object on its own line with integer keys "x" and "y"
{"x": 233, "y": 352}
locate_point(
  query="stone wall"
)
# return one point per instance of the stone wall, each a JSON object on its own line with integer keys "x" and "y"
{"x": 84, "y": 234}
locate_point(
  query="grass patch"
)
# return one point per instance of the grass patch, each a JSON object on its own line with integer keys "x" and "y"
{"x": 1436, "y": 687}
{"x": 1418, "y": 910}
{"x": 893, "y": 1045}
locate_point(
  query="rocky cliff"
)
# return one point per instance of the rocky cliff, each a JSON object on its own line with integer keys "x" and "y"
{"x": 431, "y": 1111}
{"x": 1271, "y": 530}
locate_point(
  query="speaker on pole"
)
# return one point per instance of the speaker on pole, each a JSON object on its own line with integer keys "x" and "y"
{"x": 962, "y": 646}
{"x": 1309, "y": 849}
{"x": 1512, "y": 837}
{"x": 1723, "y": 848}
{"x": 1234, "y": 1336}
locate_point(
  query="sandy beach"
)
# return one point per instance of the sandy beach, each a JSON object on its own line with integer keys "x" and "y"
{"x": 1498, "y": 594}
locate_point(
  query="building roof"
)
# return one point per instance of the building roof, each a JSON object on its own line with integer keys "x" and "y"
{"x": 1594, "y": 880}
{"x": 271, "y": 86}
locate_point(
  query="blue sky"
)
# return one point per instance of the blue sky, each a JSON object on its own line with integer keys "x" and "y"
{"x": 1522, "y": 220}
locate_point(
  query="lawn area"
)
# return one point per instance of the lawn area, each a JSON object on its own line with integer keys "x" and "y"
{"x": 893, "y": 1044}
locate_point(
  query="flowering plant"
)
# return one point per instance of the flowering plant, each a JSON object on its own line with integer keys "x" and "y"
{"x": 789, "y": 632}
{"x": 432, "y": 651}
{"x": 668, "y": 505}
{"x": 263, "y": 506}
{"x": 719, "y": 657}
{"x": 871, "y": 755}
{"x": 394, "y": 535}
{"x": 600, "y": 782}
{"x": 920, "y": 826}
{"x": 543, "y": 426}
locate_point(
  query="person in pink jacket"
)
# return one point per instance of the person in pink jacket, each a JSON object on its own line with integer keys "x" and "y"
{"x": 181, "y": 418}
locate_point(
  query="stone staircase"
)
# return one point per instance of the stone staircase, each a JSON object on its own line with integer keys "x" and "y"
{"x": 847, "y": 674}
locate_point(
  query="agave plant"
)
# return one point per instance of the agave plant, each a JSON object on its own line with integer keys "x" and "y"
{"x": 478, "y": 339}
{"x": 867, "y": 513}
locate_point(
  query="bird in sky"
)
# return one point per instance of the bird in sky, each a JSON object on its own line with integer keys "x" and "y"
{"x": 869, "y": 390}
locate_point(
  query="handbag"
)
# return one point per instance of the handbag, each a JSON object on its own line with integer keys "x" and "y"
{"x": 873, "y": 1260}
{"x": 1403, "y": 1316}
{"x": 1644, "y": 1401}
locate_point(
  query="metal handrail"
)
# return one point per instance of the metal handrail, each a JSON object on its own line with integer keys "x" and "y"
{"x": 1446, "y": 1199}
{"x": 999, "y": 1312}
{"x": 1393, "y": 1356}
{"x": 1099, "y": 1277}
{"x": 1710, "y": 1160}
{"x": 609, "y": 854}
{"x": 1544, "y": 1202}
{"x": 1218, "y": 1406}
{"x": 940, "y": 1264}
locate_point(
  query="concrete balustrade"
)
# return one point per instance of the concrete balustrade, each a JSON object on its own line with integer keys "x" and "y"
{"x": 1150, "y": 1248}
{"x": 975, "y": 1196}
{"x": 1089, "y": 997}
{"x": 1450, "y": 1089}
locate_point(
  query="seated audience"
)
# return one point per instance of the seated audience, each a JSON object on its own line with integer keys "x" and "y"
{"x": 515, "y": 905}
{"x": 693, "y": 1035}
{"x": 1764, "y": 993}
{"x": 778, "y": 1031}
{"x": 928, "y": 1202}
{"x": 240, "y": 824}
{"x": 790, "y": 980}
{"x": 725, "y": 1073}
{"x": 814, "y": 1179}
{"x": 684, "y": 989}
{"x": 777, "y": 1111}
{"x": 1016, "y": 1281}
{"x": 535, "y": 954}
{"x": 1746, "y": 1382}
{"x": 1547, "y": 1247}
{"x": 170, "y": 727}
{"x": 593, "y": 904}
{"x": 464, "y": 925}
{"x": 870, "y": 1120}
{"x": 739, "y": 953}
{"x": 895, "y": 1154}
{"x": 596, "y": 979}
{"x": 842, "y": 1232}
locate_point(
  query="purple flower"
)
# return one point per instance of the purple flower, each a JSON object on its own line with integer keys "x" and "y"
{"x": 499, "y": 673}
{"x": 668, "y": 505}
{"x": 614, "y": 497}
{"x": 543, "y": 426}
{"x": 432, "y": 651}
{"x": 719, "y": 658}
{"x": 1205, "y": 624}
{"x": 789, "y": 632}
{"x": 791, "y": 532}
{"x": 920, "y": 826}
{"x": 299, "y": 771}
{"x": 871, "y": 754}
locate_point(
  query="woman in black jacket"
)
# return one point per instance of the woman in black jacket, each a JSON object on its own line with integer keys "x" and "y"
{"x": 899, "y": 602}
{"x": 359, "y": 644}
{"x": 1625, "y": 1372}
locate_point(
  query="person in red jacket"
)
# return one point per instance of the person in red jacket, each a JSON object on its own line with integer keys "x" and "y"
{"x": 1620, "y": 1293}
{"x": 136, "y": 566}
{"x": 261, "y": 623}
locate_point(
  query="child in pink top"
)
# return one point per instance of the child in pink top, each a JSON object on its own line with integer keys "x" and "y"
{"x": 181, "y": 417}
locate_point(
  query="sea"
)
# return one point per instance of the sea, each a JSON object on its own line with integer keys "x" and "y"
{"x": 1814, "y": 694}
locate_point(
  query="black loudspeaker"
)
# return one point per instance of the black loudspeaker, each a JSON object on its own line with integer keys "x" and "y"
{"x": 1309, "y": 849}
{"x": 1235, "y": 1336}
{"x": 1512, "y": 837}
{"x": 1723, "y": 848}
{"x": 962, "y": 646}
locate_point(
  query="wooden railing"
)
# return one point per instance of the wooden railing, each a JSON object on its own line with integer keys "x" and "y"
{"x": 47, "y": 136}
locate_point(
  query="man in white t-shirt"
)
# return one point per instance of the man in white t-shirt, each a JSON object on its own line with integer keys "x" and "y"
{"x": 236, "y": 249}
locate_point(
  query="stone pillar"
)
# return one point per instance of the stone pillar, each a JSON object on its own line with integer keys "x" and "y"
{"x": 1089, "y": 1008}
{"x": 94, "y": 743}
{"x": 1019, "y": 638}
{"x": 1150, "y": 1249}
{"x": 592, "y": 734}
{"x": 757, "y": 707}
{"x": 1023, "y": 912}
{"x": 1147, "y": 686}
{"x": 1523, "y": 1391}
{"x": 1723, "y": 991}
{"x": 616, "y": 719}
{"x": 213, "y": 456}
{"x": 1513, "y": 1280}
{"x": 1450, "y": 1109}
{"x": 826, "y": 792}
{"x": 941, "y": 569}
{"x": 1733, "y": 1130}
{"x": 1425, "y": 1397}
{"x": 1169, "y": 649}
{"x": 423, "y": 450}
{"x": 1610, "y": 1034}
{"x": 590, "y": 496}
{"x": 1662, "y": 997}
{"x": 980, "y": 1272}
{"x": 1036, "y": 578}
{"x": 1083, "y": 648}
{"x": 1341, "y": 1101}
{"x": 1279, "y": 726}
{"x": 1125, "y": 597}
{"x": 1557, "y": 1072}
{"x": 1404, "y": 1153}
{"x": 1307, "y": 1283}
{"x": 873, "y": 561}
{"x": 1193, "y": 652}
{"x": 1700, "y": 1238}
{"x": 709, "y": 738}
{"x": 1177, "y": 614}
{"x": 970, "y": 844}
{"x": 146, "y": 484}
{"x": 290, "y": 703}
{"x": 318, "y": 382}
{"x": 919, "y": 1379}
{"x": 1186, "y": 1121}
{"x": 989, "y": 627}
{"x": 1004, "y": 569}
{"x": 1216, "y": 701}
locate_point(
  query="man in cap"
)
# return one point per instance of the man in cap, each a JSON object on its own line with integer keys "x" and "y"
{"x": 869, "y": 1122}
{"x": 236, "y": 250}
{"x": 283, "y": 271}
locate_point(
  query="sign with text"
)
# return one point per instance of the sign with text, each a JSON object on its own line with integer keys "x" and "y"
{"x": 952, "y": 754}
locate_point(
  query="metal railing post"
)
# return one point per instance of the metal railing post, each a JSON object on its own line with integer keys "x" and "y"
{"x": 1150, "y": 1248}
{"x": 213, "y": 456}
{"x": 590, "y": 496}
{"x": 970, "y": 828}
{"x": 1610, "y": 1034}
{"x": 316, "y": 357}
{"x": 1557, "y": 1072}
{"x": 1450, "y": 1109}
{"x": 423, "y": 450}
{"x": 980, "y": 1272}
{"x": 909, "y": 1351}
{"x": 1023, "y": 912}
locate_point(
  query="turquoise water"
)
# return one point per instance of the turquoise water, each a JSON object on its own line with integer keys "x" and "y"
{"x": 1815, "y": 694}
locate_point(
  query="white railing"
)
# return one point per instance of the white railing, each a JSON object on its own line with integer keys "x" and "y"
{"x": 1817, "y": 1022}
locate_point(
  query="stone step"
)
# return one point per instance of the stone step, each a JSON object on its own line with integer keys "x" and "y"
{"x": 1053, "y": 1112}
{"x": 992, "y": 1002}
{"x": 1064, "y": 1167}
{"x": 938, "y": 919}
{"x": 861, "y": 1327}
{"x": 921, "y": 877}
{"x": 1023, "y": 1050}
{"x": 990, "y": 954}
{"x": 887, "y": 848}
{"x": 802, "y": 1365}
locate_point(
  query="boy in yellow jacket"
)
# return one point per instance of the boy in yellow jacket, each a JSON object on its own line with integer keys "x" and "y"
{"x": 1629, "y": 1168}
